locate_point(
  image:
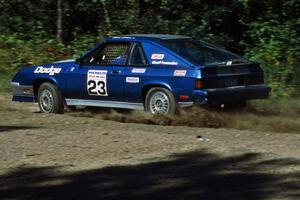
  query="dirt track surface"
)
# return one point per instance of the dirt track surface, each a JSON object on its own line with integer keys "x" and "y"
{"x": 63, "y": 156}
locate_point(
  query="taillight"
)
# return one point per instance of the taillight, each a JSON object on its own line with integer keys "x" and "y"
{"x": 198, "y": 84}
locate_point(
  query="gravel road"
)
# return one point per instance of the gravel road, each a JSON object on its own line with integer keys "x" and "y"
{"x": 47, "y": 156}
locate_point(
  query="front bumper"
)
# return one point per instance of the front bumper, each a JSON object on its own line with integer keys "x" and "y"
{"x": 22, "y": 93}
{"x": 231, "y": 94}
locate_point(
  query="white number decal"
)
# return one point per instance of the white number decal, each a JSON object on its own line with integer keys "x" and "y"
{"x": 96, "y": 82}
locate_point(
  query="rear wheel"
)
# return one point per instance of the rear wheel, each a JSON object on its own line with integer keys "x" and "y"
{"x": 160, "y": 101}
{"x": 50, "y": 99}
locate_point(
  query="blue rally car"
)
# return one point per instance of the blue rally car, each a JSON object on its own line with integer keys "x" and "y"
{"x": 158, "y": 73}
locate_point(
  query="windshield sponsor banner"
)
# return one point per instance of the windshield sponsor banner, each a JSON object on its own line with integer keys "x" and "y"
{"x": 43, "y": 70}
{"x": 123, "y": 37}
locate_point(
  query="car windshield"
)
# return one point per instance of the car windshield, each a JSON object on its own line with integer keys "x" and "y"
{"x": 202, "y": 53}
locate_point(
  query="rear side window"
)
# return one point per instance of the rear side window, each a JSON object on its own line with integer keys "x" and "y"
{"x": 137, "y": 56}
{"x": 157, "y": 55}
{"x": 110, "y": 54}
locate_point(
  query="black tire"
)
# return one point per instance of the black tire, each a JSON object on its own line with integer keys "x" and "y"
{"x": 172, "y": 104}
{"x": 50, "y": 99}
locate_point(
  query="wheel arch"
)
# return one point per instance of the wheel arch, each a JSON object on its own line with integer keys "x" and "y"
{"x": 148, "y": 86}
{"x": 38, "y": 82}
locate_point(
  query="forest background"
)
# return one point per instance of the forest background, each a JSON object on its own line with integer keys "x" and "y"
{"x": 42, "y": 31}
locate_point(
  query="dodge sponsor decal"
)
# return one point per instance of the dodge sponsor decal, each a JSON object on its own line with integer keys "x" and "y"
{"x": 96, "y": 82}
{"x": 43, "y": 70}
{"x": 157, "y": 56}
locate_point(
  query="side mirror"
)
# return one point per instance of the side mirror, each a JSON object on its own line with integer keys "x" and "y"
{"x": 79, "y": 61}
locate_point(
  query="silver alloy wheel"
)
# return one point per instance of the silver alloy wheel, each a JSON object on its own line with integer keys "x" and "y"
{"x": 46, "y": 101}
{"x": 159, "y": 103}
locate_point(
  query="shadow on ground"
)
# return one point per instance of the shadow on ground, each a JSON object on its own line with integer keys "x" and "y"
{"x": 12, "y": 128}
{"x": 190, "y": 176}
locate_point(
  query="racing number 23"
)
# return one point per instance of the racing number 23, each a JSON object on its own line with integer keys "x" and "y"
{"x": 96, "y": 87}
{"x": 96, "y": 82}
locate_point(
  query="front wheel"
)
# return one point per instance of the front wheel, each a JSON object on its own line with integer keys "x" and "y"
{"x": 50, "y": 99}
{"x": 160, "y": 101}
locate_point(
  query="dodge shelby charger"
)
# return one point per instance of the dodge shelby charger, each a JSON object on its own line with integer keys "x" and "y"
{"x": 157, "y": 73}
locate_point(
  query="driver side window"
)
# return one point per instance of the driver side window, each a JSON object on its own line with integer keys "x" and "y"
{"x": 110, "y": 54}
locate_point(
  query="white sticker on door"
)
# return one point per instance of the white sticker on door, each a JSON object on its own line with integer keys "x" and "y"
{"x": 132, "y": 79}
{"x": 96, "y": 82}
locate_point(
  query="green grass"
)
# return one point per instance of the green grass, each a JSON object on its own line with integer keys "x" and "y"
{"x": 289, "y": 107}
{"x": 6, "y": 68}
{"x": 266, "y": 123}
{"x": 14, "y": 56}
{"x": 5, "y": 80}
{"x": 16, "y": 53}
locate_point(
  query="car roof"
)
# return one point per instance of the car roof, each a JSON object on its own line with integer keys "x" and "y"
{"x": 151, "y": 36}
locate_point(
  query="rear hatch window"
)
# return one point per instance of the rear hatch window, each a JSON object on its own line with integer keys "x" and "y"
{"x": 202, "y": 53}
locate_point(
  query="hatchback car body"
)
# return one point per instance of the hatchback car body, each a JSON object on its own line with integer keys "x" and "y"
{"x": 158, "y": 73}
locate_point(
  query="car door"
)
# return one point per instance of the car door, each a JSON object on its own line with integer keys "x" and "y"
{"x": 101, "y": 74}
{"x": 136, "y": 71}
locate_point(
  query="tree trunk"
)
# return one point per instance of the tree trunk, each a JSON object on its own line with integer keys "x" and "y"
{"x": 106, "y": 15}
{"x": 59, "y": 33}
{"x": 142, "y": 7}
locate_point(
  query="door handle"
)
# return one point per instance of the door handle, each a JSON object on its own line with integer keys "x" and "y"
{"x": 116, "y": 71}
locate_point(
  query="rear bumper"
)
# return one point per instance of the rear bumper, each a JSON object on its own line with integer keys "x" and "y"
{"x": 231, "y": 94}
{"x": 22, "y": 93}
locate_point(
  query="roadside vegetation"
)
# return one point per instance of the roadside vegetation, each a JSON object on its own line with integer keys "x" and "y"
{"x": 41, "y": 31}
{"x": 17, "y": 52}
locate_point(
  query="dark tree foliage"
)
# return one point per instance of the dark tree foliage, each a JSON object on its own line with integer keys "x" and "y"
{"x": 264, "y": 30}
